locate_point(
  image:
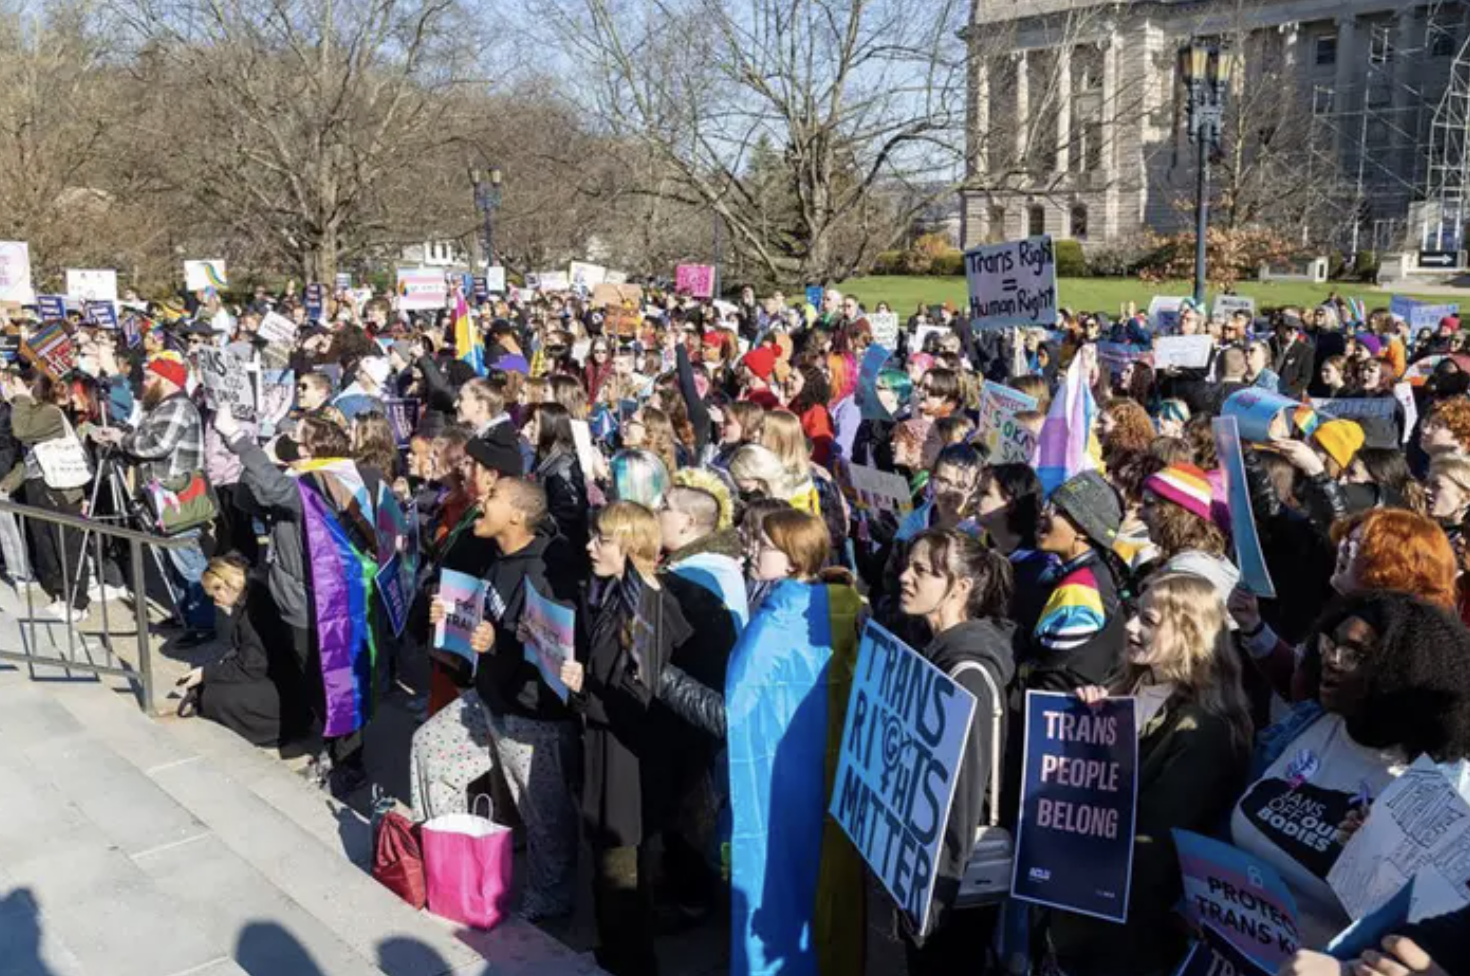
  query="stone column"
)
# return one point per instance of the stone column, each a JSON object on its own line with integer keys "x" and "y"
{"x": 1023, "y": 106}
{"x": 1064, "y": 107}
{"x": 1344, "y": 91}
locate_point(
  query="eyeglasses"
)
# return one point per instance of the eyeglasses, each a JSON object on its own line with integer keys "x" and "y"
{"x": 953, "y": 484}
{"x": 1343, "y": 657}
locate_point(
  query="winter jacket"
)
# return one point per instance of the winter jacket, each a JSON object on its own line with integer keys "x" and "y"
{"x": 560, "y": 474}
{"x": 1218, "y": 571}
{"x": 258, "y": 694}
{"x": 220, "y": 463}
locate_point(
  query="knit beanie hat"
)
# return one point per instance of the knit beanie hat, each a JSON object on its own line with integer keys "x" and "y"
{"x": 170, "y": 366}
{"x": 761, "y": 362}
{"x": 1341, "y": 439}
{"x": 1092, "y": 503}
{"x": 1185, "y": 485}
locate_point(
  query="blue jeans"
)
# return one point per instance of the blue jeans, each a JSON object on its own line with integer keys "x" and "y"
{"x": 189, "y": 565}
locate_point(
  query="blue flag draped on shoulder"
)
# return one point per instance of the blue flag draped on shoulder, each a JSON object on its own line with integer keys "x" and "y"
{"x": 467, "y": 342}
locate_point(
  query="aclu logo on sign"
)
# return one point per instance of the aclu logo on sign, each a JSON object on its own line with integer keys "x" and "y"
{"x": 1039, "y": 874}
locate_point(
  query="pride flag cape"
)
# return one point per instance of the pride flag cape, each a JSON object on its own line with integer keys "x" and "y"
{"x": 341, "y": 592}
{"x": 797, "y": 892}
{"x": 1064, "y": 447}
{"x": 467, "y": 342}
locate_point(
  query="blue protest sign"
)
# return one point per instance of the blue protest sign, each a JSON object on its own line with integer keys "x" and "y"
{"x": 905, "y": 733}
{"x": 814, "y": 296}
{"x": 1240, "y": 895}
{"x": 1255, "y": 411}
{"x": 403, "y": 418}
{"x": 1079, "y": 795}
{"x": 1370, "y": 930}
{"x": 866, "y": 393}
{"x": 102, "y": 314}
{"x": 1213, "y": 955}
{"x": 1418, "y": 315}
{"x": 464, "y": 599}
{"x": 51, "y": 307}
{"x": 482, "y": 289}
{"x": 393, "y": 594}
{"x": 1254, "y": 575}
{"x": 315, "y": 300}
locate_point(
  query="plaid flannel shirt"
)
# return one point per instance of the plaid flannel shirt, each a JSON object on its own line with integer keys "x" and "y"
{"x": 168, "y": 441}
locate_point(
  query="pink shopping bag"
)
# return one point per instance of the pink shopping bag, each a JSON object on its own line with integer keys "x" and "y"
{"x": 467, "y": 863}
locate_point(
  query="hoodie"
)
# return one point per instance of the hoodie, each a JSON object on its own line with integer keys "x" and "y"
{"x": 988, "y": 643}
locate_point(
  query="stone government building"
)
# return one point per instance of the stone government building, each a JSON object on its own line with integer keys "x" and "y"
{"x": 1076, "y": 117}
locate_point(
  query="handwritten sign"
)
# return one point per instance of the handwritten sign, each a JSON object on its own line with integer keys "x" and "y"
{"x": 1241, "y": 896}
{"x": 464, "y": 600}
{"x": 1005, "y": 440}
{"x": 226, "y": 381}
{"x": 277, "y": 328}
{"x": 15, "y": 272}
{"x": 1012, "y": 284}
{"x": 697, "y": 280}
{"x": 393, "y": 593}
{"x": 495, "y": 279}
{"x": 91, "y": 285}
{"x": 1254, "y": 575}
{"x": 586, "y": 276}
{"x": 884, "y": 326}
{"x": 905, "y": 734}
{"x": 1183, "y": 352}
{"x": 880, "y": 490}
{"x": 1079, "y": 795}
{"x": 421, "y": 289}
{"x": 549, "y": 630}
{"x": 203, "y": 275}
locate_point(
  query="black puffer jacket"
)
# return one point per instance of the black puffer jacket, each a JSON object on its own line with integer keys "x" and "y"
{"x": 560, "y": 474}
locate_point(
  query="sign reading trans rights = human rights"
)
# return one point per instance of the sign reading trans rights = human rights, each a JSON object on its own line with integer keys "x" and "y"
{"x": 1012, "y": 284}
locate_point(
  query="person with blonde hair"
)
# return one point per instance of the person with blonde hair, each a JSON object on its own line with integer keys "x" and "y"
{"x": 1448, "y": 491}
{"x": 1194, "y": 740}
{"x": 758, "y": 472}
{"x": 650, "y": 429}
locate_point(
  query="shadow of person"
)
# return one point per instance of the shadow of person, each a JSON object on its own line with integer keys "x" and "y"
{"x": 20, "y": 935}
{"x": 267, "y": 949}
{"x": 409, "y": 957}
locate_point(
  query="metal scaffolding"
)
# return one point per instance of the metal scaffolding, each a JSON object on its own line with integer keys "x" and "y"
{"x": 1447, "y": 177}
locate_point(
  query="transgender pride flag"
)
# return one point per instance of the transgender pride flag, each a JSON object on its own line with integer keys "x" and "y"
{"x": 1062, "y": 449}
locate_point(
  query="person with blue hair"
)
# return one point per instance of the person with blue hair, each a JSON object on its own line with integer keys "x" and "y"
{"x": 639, "y": 476}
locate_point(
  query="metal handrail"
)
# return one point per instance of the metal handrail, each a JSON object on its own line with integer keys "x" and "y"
{"x": 100, "y": 529}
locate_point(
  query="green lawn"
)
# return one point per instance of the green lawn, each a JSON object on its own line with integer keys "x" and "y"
{"x": 1108, "y": 294}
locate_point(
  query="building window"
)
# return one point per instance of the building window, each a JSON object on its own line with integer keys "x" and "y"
{"x": 1079, "y": 223}
{"x": 995, "y": 230}
{"x": 1035, "y": 220}
{"x": 1327, "y": 49}
{"x": 1092, "y": 148}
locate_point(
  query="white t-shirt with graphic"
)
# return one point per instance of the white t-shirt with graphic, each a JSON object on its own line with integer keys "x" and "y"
{"x": 1289, "y": 817}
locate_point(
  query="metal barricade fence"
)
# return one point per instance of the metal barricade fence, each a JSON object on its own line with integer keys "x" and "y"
{"x": 99, "y": 534}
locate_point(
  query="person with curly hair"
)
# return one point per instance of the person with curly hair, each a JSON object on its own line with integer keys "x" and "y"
{"x": 1447, "y": 428}
{"x": 1124, "y": 428}
{"x": 1177, "y": 508}
{"x": 1387, "y": 679}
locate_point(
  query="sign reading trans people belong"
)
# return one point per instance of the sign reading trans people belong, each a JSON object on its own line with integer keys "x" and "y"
{"x": 906, "y": 729}
{"x": 1074, "y": 841}
{"x": 1012, "y": 284}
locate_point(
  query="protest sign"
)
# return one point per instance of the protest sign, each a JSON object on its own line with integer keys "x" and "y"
{"x": 586, "y": 276}
{"x": 905, "y": 733}
{"x": 226, "y": 381}
{"x": 9, "y": 346}
{"x": 344, "y": 279}
{"x": 866, "y": 393}
{"x": 393, "y": 593}
{"x": 50, "y": 350}
{"x": 1183, "y": 352}
{"x": 1419, "y": 315}
{"x": 421, "y": 289}
{"x": 1378, "y": 416}
{"x": 880, "y": 490}
{"x": 15, "y": 272}
{"x": 464, "y": 600}
{"x": 1005, "y": 440}
{"x": 276, "y": 328}
{"x": 697, "y": 280}
{"x": 923, "y": 332}
{"x": 1257, "y": 413}
{"x": 203, "y": 275}
{"x": 102, "y": 314}
{"x": 1368, "y": 931}
{"x": 884, "y": 327}
{"x": 1228, "y": 305}
{"x": 480, "y": 288}
{"x": 1163, "y": 313}
{"x": 275, "y": 396}
{"x": 1214, "y": 955}
{"x": 403, "y": 418}
{"x": 1012, "y": 284}
{"x": 549, "y": 281}
{"x": 814, "y": 295}
{"x": 549, "y": 632}
{"x": 609, "y": 295}
{"x": 315, "y": 300}
{"x": 1241, "y": 896}
{"x": 1117, "y": 355}
{"x": 51, "y": 307}
{"x": 615, "y": 277}
{"x": 1403, "y": 392}
{"x": 1418, "y": 827}
{"x": 495, "y": 279}
{"x": 1254, "y": 575}
{"x": 1079, "y": 795}
{"x": 84, "y": 285}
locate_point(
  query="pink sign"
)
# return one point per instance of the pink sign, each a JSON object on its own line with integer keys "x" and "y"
{"x": 695, "y": 279}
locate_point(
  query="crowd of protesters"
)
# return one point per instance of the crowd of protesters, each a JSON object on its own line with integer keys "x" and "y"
{"x": 679, "y": 472}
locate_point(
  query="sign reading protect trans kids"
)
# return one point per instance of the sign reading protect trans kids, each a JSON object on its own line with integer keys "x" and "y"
{"x": 1012, "y": 284}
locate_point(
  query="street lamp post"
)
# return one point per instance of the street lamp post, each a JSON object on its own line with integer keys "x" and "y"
{"x": 1205, "y": 67}
{"x": 487, "y": 201}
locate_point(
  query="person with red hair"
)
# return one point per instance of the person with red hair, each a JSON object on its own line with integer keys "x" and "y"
{"x": 1382, "y": 549}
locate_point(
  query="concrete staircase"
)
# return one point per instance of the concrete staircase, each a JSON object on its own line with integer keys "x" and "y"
{"x": 134, "y": 846}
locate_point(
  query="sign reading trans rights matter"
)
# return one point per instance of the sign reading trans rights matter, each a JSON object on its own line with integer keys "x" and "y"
{"x": 1012, "y": 284}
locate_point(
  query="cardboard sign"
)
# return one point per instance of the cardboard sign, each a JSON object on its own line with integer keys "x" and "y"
{"x": 1079, "y": 797}
{"x": 1254, "y": 575}
{"x": 866, "y": 392}
{"x": 50, "y": 350}
{"x": 550, "y": 632}
{"x": 1005, "y": 440}
{"x": 226, "y": 381}
{"x": 586, "y": 276}
{"x": 1183, "y": 352}
{"x": 1255, "y": 410}
{"x": 315, "y": 300}
{"x": 85, "y": 286}
{"x": 884, "y": 326}
{"x": 15, "y": 273}
{"x": 467, "y": 597}
{"x": 880, "y": 490}
{"x": 1241, "y": 896}
{"x": 277, "y": 328}
{"x": 1214, "y": 955}
{"x": 393, "y": 593}
{"x": 1012, "y": 284}
{"x": 51, "y": 307}
{"x": 697, "y": 280}
{"x": 421, "y": 289}
{"x": 403, "y": 418}
{"x": 904, "y": 736}
{"x": 102, "y": 314}
{"x": 609, "y": 295}
{"x": 203, "y": 275}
